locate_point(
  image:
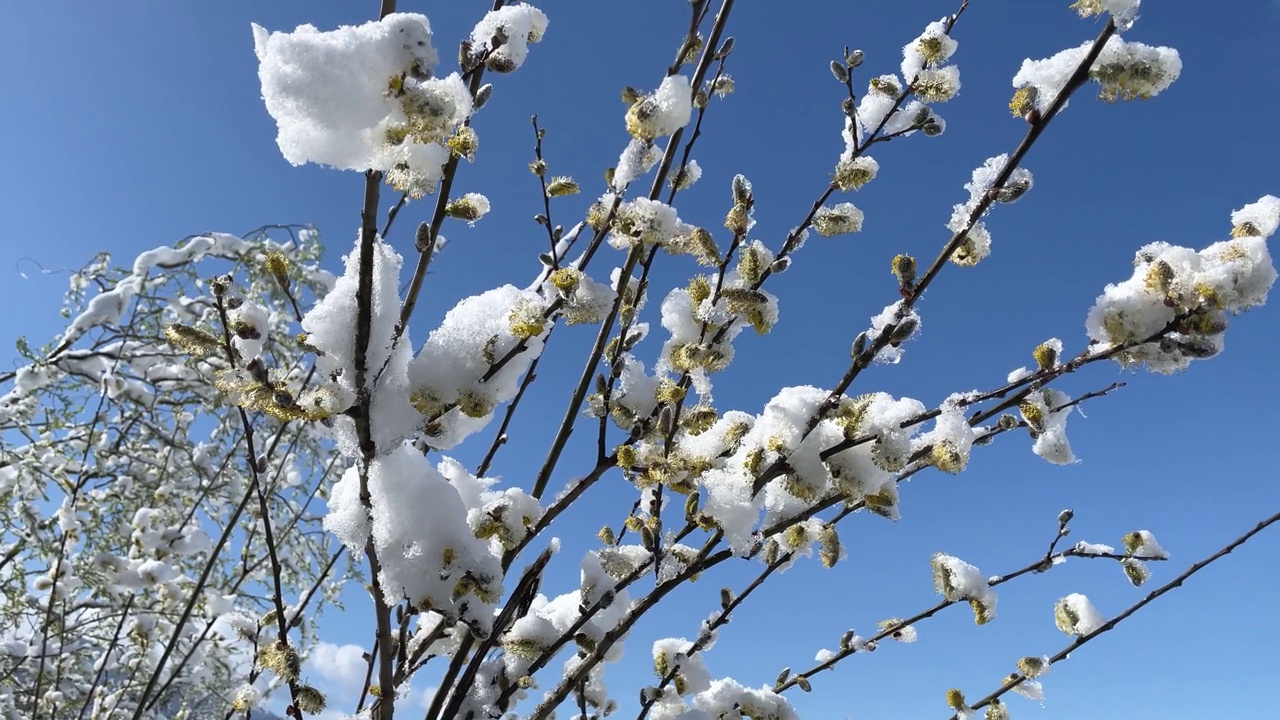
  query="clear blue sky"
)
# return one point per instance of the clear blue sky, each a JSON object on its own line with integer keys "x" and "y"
{"x": 129, "y": 125}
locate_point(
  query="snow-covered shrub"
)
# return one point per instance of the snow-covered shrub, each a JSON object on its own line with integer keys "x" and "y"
{"x": 187, "y": 465}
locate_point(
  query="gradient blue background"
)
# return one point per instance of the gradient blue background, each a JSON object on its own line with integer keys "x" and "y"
{"x": 128, "y": 125}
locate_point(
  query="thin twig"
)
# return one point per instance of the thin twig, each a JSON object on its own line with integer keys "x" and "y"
{"x": 860, "y": 362}
{"x": 1017, "y": 679}
{"x": 500, "y": 437}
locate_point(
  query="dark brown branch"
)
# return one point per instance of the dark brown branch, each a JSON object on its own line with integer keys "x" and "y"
{"x": 500, "y": 437}
{"x": 1017, "y": 679}
{"x": 859, "y": 363}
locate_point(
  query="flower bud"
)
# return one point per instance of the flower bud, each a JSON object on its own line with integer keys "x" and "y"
{"x": 839, "y": 71}
{"x": 859, "y": 345}
{"x": 904, "y": 268}
{"x": 422, "y": 238}
{"x": 903, "y": 330}
{"x": 482, "y": 96}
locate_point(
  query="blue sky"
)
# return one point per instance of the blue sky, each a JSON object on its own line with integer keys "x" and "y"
{"x": 135, "y": 124}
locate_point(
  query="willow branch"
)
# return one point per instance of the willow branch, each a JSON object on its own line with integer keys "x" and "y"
{"x": 1017, "y": 679}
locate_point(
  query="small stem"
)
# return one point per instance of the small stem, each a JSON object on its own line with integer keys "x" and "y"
{"x": 1017, "y": 679}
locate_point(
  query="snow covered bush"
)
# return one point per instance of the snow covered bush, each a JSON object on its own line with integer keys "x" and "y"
{"x": 226, "y": 436}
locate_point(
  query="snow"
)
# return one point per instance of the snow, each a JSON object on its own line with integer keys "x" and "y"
{"x": 347, "y": 519}
{"x": 637, "y": 158}
{"x": 1125, "y": 71}
{"x": 1123, "y": 12}
{"x": 447, "y": 371}
{"x": 105, "y": 308}
{"x": 977, "y": 244}
{"x": 362, "y": 98}
{"x": 663, "y": 112}
{"x": 868, "y": 469}
{"x": 515, "y": 26}
{"x": 957, "y": 580}
{"x": 1261, "y": 217}
{"x": 1075, "y": 615}
{"x": 692, "y": 173}
{"x": 1142, "y": 544}
{"x": 854, "y": 172}
{"x": 588, "y": 301}
{"x": 249, "y": 326}
{"x": 636, "y": 390}
{"x": 682, "y": 318}
{"x": 502, "y": 516}
{"x": 1226, "y": 278}
{"x": 672, "y": 654}
{"x": 938, "y": 85}
{"x": 329, "y": 326}
{"x": 780, "y": 430}
{"x": 1051, "y": 440}
{"x": 194, "y": 249}
{"x": 1030, "y": 689}
{"x": 644, "y": 221}
{"x": 932, "y": 48}
{"x": 470, "y": 207}
{"x": 1088, "y": 548}
{"x": 876, "y": 104}
{"x": 840, "y": 219}
{"x": 428, "y": 552}
{"x": 884, "y": 418}
{"x": 902, "y": 318}
{"x": 728, "y": 698}
{"x": 550, "y": 619}
{"x": 247, "y": 697}
{"x": 950, "y": 440}
{"x": 728, "y": 499}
